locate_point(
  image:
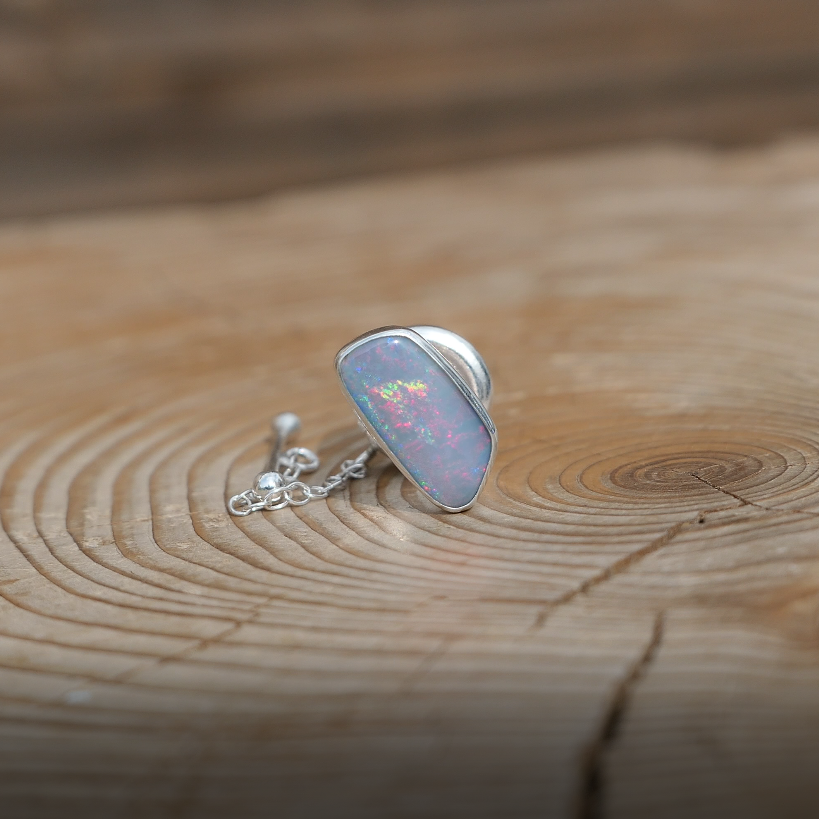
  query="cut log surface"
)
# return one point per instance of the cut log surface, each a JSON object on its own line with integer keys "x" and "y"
{"x": 625, "y": 625}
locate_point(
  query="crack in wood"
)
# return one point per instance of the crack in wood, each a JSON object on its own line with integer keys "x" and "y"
{"x": 199, "y": 645}
{"x": 746, "y": 502}
{"x": 616, "y": 568}
{"x": 625, "y": 563}
{"x": 590, "y": 800}
{"x": 716, "y": 488}
{"x": 427, "y": 664}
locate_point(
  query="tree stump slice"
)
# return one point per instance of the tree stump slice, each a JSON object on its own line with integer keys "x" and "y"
{"x": 624, "y": 626}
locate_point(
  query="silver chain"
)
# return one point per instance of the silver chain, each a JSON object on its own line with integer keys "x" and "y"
{"x": 279, "y": 485}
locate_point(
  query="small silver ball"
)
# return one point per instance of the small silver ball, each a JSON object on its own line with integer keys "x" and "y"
{"x": 267, "y": 482}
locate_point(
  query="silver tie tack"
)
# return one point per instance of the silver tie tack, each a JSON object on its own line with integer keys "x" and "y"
{"x": 421, "y": 395}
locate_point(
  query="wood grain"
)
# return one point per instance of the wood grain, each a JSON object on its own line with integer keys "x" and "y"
{"x": 624, "y": 626}
{"x": 106, "y": 103}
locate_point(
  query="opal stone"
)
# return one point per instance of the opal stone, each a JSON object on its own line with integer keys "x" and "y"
{"x": 427, "y": 423}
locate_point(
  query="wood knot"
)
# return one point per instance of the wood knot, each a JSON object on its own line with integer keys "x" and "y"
{"x": 669, "y": 469}
{"x": 686, "y": 471}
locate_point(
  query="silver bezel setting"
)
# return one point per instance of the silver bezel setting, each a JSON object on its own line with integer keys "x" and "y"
{"x": 450, "y": 371}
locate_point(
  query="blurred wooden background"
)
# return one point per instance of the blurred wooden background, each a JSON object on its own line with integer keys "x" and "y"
{"x": 116, "y": 103}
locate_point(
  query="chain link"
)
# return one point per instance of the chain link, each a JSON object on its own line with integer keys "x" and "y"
{"x": 281, "y": 487}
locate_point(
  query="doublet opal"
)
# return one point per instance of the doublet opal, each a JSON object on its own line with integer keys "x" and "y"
{"x": 422, "y": 416}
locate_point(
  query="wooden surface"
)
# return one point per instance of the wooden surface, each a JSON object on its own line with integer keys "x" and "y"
{"x": 624, "y": 626}
{"x": 110, "y": 103}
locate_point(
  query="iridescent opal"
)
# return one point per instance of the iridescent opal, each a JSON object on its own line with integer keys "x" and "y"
{"x": 424, "y": 419}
